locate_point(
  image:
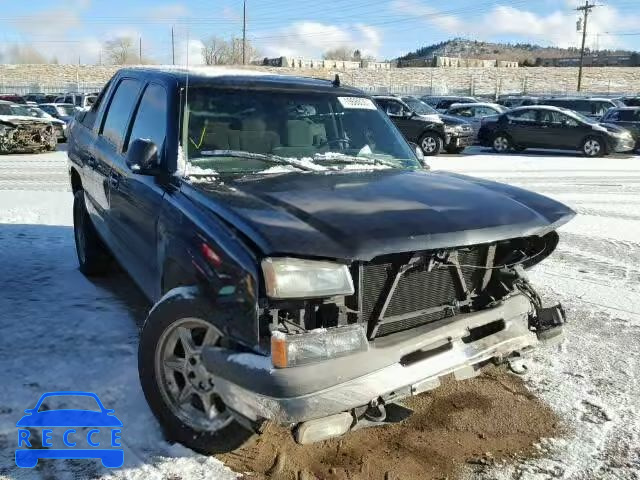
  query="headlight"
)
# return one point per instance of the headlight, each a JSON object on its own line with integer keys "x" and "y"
{"x": 297, "y": 278}
{"x": 313, "y": 346}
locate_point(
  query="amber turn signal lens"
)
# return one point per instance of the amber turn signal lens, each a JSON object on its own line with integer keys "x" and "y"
{"x": 279, "y": 351}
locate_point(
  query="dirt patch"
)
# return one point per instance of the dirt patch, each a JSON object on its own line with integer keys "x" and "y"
{"x": 475, "y": 422}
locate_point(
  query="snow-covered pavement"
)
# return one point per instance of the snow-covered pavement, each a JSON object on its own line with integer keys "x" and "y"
{"x": 60, "y": 331}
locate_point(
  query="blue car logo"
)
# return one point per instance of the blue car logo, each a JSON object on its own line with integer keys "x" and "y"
{"x": 68, "y": 422}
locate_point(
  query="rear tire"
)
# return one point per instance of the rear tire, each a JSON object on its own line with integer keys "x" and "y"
{"x": 93, "y": 256}
{"x": 501, "y": 143}
{"x": 593, "y": 147}
{"x": 431, "y": 144}
{"x": 174, "y": 381}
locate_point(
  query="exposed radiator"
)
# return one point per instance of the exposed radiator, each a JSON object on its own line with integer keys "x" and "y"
{"x": 417, "y": 289}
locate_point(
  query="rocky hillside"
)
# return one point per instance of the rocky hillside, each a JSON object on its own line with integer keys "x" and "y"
{"x": 524, "y": 53}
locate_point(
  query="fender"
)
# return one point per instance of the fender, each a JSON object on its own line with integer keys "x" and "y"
{"x": 195, "y": 247}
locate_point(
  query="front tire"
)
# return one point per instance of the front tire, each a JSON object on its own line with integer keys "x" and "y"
{"x": 454, "y": 150}
{"x": 593, "y": 147}
{"x": 501, "y": 143}
{"x": 178, "y": 388}
{"x": 93, "y": 256}
{"x": 431, "y": 144}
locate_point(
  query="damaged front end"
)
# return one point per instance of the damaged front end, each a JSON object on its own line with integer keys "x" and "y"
{"x": 18, "y": 136}
{"x": 401, "y": 323}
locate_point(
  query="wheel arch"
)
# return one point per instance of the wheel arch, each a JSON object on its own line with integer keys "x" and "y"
{"x": 76, "y": 181}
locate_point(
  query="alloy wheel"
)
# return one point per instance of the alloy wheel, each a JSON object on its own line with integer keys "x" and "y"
{"x": 501, "y": 144}
{"x": 429, "y": 144}
{"x": 592, "y": 147}
{"x": 186, "y": 386}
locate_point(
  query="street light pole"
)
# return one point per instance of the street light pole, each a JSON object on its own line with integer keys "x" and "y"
{"x": 585, "y": 9}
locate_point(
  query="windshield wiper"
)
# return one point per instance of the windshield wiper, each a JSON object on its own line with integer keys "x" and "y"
{"x": 307, "y": 166}
{"x": 348, "y": 159}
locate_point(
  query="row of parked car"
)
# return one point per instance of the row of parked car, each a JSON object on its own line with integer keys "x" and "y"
{"x": 595, "y": 126}
{"x": 37, "y": 122}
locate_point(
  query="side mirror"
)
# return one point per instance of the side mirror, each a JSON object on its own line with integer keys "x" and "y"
{"x": 408, "y": 113}
{"x": 142, "y": 156}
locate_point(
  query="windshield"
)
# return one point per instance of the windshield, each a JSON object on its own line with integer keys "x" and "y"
{"x": 36, "y": 112}
{"x": 240, "y": 131}
{"x": 579, "y": 116}
{"x": 419, "y": 106}
{"x": 16, "y": 110}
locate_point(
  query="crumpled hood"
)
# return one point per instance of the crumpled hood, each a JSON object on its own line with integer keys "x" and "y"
{"x": 361, "y": 215}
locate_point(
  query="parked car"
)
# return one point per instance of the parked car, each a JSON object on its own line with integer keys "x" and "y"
{"x": 41, "y": 97}
{"x": 459, "y": 132}
{"x": 626, "y": 117}
{"x": 21, "y": 132}
{"x": 60, "y": 126}
{"x": 305, "y": 268}
{"x": 442, "y": 103}
{"x": 61, "y": 111}
{"x": 13, "y": 98}
{"x": 422, "y": 125}
{"x": 554, "y": 128}
{"x": 630, "y": 101}
{"x": 475, "y": 112}
{"x": 79, "y": 100}
{"x": 513, "y": 101}
{"x": 587, "y": 106}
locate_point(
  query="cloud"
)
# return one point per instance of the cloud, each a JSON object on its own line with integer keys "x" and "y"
{"x": 168, "y": 12}
{"x": 311, "y": 39}
{"x": 557, "y": 28}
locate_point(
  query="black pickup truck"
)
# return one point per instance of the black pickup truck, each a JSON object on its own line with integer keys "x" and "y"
{"x": 305, "y": 268}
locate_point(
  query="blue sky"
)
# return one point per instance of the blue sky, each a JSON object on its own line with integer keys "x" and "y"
{"x": 72, "y": 29}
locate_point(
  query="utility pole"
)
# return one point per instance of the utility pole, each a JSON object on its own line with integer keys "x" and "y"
{"x": 244, "y": 32}
{"x": 173, "y": 49}
{"x": 585, "y": 9}
{"x": 140, "y": 50}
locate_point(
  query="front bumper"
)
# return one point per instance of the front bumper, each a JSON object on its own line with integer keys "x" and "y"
{"x": 459, "y": 141}
{"x": 620, "y": 145}
{"x": 394, "y": 367}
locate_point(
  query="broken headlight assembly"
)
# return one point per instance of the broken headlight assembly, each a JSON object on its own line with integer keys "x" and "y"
{"x": 291, "y": 350}
{"x": 294, "y": 278}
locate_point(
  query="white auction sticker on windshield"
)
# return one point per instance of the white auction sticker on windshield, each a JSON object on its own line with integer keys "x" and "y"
{"x": 359, "y": 103}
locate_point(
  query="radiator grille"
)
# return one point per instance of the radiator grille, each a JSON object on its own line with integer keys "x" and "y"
{"x": 417, "y": 289}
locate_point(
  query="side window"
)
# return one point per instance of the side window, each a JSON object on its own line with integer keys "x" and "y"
{"x": 394, "y": 108}
{"x": 68, "y": 99}
{"x": 613, "y": 116}
{"x": 464, "y": 112}
{"x": 117, "y": 117}
{"x": 151, "y": 119}
{"x": 627, "y": 115}
{"x": 525, "y": 116}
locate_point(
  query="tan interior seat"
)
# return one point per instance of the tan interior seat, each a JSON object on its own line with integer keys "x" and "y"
{"x": 254, "y": 136}
{"x": 216, "y": 136}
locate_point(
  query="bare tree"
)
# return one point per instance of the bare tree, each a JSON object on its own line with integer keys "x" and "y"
{"x": 214, "y": 51}
{"x": 217, "y": 51}
{"x": 340, "y": 53}
{"x": 121, "y": 51}
{"x": 24, "y": 54}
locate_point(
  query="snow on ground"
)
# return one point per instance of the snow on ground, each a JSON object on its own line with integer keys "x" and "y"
{"x": 61, "y": 331}
{"x": 592, "y": 380}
